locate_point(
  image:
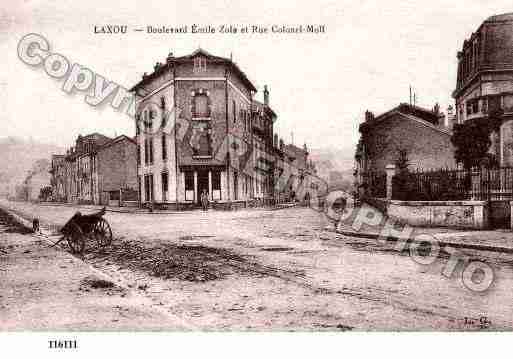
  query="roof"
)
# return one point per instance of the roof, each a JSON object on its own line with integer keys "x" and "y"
{"x": 297, "y": 153}
{"x": 494, "y": 41}
{"x": 171, "y": 61}
{"x": 259, "y": 105}
{"x": 414, "y": 113}
{"x": 502, "y": 17}
{"x": 116, "y": 140}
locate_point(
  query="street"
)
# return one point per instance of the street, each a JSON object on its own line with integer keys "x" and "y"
{"x": 281, "y": 270}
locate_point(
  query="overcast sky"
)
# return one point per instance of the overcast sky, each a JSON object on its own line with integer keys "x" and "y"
{"x": 320, "y": 85}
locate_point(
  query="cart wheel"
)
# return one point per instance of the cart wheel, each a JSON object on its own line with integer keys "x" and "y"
{"x": 102, "y": 233}
{"x": 76, "y": 239}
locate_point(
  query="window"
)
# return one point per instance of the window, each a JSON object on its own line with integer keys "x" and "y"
{"x": 508, "y": 103}
{"x": 494, "y": 103}
{"x": 234, "y": 110}
{"x": 164, "y": 147}
{"x": 165, "y": 185}
{"x": 151, "y": 187}
{"x": 138, "y": 155}
{"x": 150, "y": 145}
{"x": 146, "y": 153}
{"x": 472, "y": 107}
{"x": 148, "y": 188}
{"x": 201, "y": 140}
{"x": 236, "y": 186}
{"x": 148, "y": 120}
{"x": 200, "y": 64}
{"x": 200, "y": 106}
{"x": 216, "y": 185}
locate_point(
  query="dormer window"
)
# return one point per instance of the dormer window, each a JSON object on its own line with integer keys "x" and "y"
{"x": 200, "y": 64}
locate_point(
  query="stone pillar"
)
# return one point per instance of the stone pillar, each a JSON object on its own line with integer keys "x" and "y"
{"x": 390, "y": 170}
{"x": 210, "y": 185}
{"x": 195, "y": 186}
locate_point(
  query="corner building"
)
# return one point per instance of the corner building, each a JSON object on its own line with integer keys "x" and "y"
{"x": 484, "y": 88}
{"x": 197, "y": 128}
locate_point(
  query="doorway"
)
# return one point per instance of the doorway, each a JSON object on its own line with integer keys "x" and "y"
{"x": 202, "y": 185}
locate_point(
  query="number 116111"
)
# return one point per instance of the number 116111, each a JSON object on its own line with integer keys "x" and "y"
{"x": 62, "y": 344}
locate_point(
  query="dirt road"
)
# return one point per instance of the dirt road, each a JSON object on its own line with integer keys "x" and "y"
{"x": 45, "y": 288}
{"x": 281, "y": 270}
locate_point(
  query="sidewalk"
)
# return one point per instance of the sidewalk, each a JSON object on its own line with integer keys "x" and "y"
{"x": 44, "y": 288}
{"x": 500, "y": 240}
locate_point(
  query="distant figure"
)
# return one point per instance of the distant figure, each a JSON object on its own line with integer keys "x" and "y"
{"x": 204, "y": 200}
{"x": 35, "y": 225}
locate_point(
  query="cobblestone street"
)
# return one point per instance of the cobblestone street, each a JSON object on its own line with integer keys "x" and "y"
{"x": 284, "y": 270}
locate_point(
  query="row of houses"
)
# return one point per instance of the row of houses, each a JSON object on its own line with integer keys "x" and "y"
{"x": 198, "y": 128}
{"x": 95, "y": 170}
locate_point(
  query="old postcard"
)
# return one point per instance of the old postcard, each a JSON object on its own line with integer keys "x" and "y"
{"x": 256, "y": 166}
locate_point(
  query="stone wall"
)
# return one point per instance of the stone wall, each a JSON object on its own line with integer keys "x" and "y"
{"x": 453, "y": 214}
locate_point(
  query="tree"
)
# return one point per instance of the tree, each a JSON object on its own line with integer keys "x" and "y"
{"x": 472, "y": 141}
{"x": 401, "y": 182}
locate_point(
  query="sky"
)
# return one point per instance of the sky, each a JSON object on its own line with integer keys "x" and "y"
{"x": 320, "y": 85}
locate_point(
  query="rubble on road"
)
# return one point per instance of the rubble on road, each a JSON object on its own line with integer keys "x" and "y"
{"x": 192, "y": 263}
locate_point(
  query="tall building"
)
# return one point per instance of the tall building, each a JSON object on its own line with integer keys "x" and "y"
{"x": 199, "y": 128}
{"x": 484, "y": 88}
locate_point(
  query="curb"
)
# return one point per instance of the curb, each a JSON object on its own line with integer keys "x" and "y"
{"x": 481, "y": 247}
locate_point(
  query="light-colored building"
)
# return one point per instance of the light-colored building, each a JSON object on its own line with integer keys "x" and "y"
{"x": 199, "y": 128}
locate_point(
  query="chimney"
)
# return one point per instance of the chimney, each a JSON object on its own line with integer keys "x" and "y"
{"x": 266, "y": 95}
{"x": 170, "y": 57}
{"x": 369, "y": 116}
{"x": 436, "y": 109}
{"x": 281, "y": 144}
{"x": 276, "y": 143}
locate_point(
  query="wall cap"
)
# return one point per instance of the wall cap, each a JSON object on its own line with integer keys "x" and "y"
{"x": 439, "y": 203}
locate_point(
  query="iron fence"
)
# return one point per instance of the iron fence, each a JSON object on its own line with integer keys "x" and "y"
{"x": 454, "y": 184}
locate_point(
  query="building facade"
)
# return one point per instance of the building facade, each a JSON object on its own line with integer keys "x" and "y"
{"x": 95, "y": 170}
{"x": 199, "y": 128}
{"x": 423, "y": 135}
{"x": 484, "y": 88}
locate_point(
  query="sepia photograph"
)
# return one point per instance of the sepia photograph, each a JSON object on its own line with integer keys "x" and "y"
{"x": 279, "y": 173}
